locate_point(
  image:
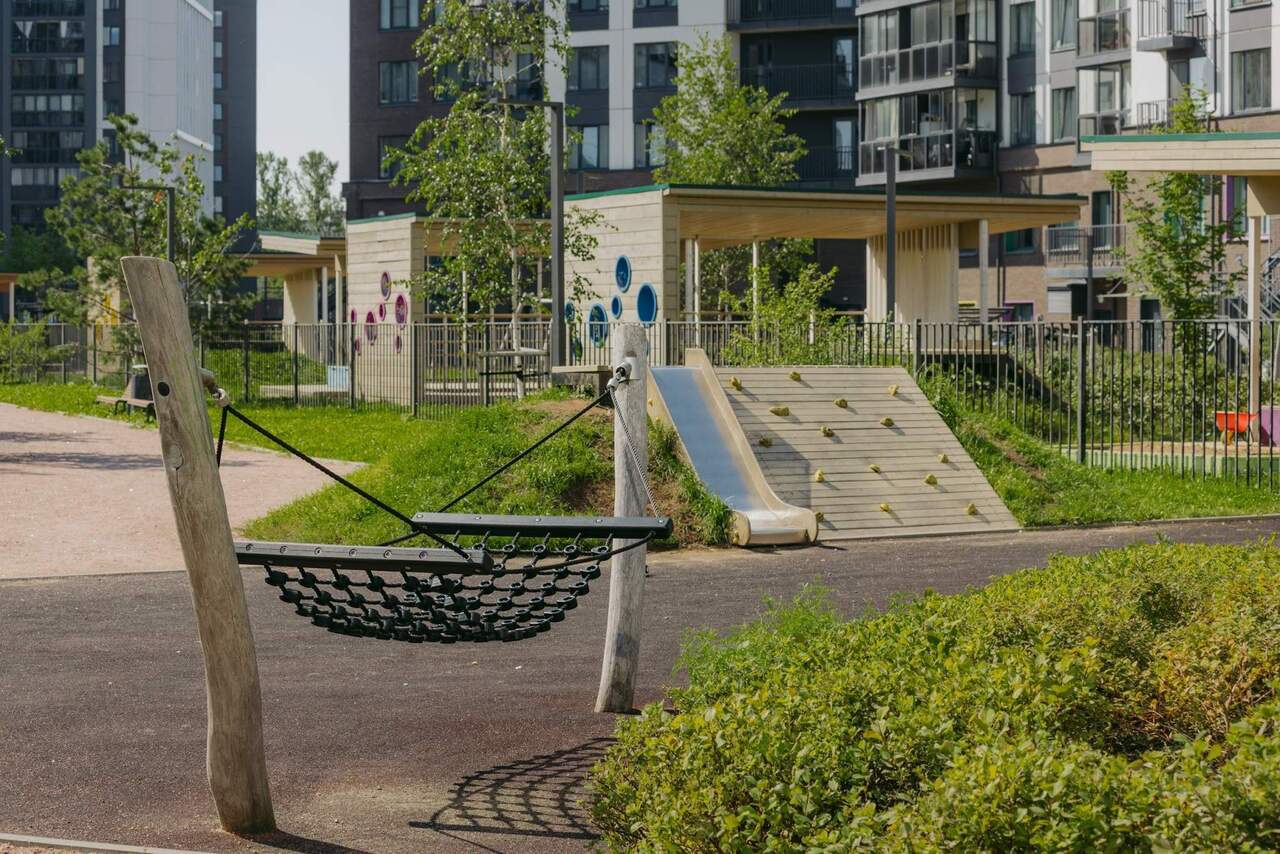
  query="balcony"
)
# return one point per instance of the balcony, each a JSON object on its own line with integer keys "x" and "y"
{"x": 1154, "y": 116}
{"x": 1066, "y": 250}
{"x": 1167, "y": 25}
{"x": 812, "y": 85}
{"x": 826, "y": 165}
{"x": 788, "y": 14}
{"x": 1102, "y": 124}
{"x": 940, "y": 154}
{"x": 926, "y": 63}
{"x": 1103, "y": 38}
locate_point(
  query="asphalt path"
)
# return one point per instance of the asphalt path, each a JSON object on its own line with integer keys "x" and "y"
{"x": 386, "y": 747}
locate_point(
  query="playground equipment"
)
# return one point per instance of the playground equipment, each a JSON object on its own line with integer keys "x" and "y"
{"x": 483, "y": 578}
{"x": 800, "y": 452}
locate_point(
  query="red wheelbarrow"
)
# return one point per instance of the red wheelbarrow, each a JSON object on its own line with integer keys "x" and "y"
{"x": 1232, "y": 424}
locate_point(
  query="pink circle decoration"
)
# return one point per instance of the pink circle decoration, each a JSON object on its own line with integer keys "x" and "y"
{"x": 399, "y": 344}
{"x": 370, "y": 328}
{"x": 386, "y": 286}
{"x": 382, "y": 311}
{"x": 402, "y": 310}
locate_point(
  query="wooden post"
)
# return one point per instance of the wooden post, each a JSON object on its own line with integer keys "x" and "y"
{"x": 237, "y": 765}
{"x": 626, "y": 586}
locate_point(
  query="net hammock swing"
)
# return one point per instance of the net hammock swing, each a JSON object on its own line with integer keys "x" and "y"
{"x": 475, "y": 578}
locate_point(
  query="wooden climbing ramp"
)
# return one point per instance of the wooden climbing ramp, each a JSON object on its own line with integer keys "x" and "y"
{"x": 860, "y": 447}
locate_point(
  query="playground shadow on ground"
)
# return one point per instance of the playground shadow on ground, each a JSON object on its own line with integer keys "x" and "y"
{"x": 537, "y": 797}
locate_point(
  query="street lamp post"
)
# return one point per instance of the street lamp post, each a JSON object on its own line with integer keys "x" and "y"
{"x": 892, "y": 153}
{"x": 558, "y": 348}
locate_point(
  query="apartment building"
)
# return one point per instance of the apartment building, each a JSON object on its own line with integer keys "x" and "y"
{"x": 70, "y": 63}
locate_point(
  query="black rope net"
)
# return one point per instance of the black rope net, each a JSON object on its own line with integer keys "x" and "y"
{"x": 483, "y": 578}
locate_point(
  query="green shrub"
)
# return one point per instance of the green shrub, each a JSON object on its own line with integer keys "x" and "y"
{"x": 1122, "y": 701}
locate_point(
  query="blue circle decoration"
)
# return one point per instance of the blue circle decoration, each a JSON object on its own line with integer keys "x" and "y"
{"x": 615, "y": 307}
{"x": 569, "y": 312}
{"x": 622, "y": 273}
{"x": 597, "y": 324}
{"x": 647, "y": 304}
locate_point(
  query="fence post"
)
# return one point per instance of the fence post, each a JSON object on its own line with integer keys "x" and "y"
{"x": 351, "y": 367}
{"x": 1082, "y": 389}
{"x": 297, "y": 400}
{"x": 917, "y": 358}
{"x": 415, "y": 378}
{"x": 626, "y": 586}
{"x": 246, "y": 362}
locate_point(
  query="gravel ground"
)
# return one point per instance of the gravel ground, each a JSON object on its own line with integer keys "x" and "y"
{"x": 383, "y": 747}
{"x": 64, "y": 475}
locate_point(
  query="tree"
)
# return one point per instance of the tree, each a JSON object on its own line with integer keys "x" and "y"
{"x": 101, "y": 220}
{"x": 299, "y": 200}
{"x": 716, "y": 130}
{"x": 482, "y": 169}
{"x": 1175, "y": 250}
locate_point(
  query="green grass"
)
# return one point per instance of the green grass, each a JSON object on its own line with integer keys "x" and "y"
{"x": 415, "y": 464}
{"x": 1041, "y": 486}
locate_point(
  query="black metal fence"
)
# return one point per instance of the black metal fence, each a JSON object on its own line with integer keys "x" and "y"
{"x": 1127, "y": 394}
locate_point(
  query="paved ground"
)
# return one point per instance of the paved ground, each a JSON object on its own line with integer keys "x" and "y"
{"x": 384, "y": 747}
{"x": 63, "y": 475}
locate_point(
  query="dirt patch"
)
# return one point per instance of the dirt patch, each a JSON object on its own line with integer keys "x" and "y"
{"x": 1011, "y": 453}
{"x": 566, "y": 408}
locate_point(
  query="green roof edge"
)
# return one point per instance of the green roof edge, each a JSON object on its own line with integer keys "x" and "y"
{"x": 388, "y": 217}
{"x": 1224, "y": 136}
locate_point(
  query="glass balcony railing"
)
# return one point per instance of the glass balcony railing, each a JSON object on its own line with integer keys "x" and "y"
{"x": 963, "y": 149}
{"x": 1103, "y": 33}
{"x": 824, "y": 82}
{"x": 763, "y": 13}
{"x": 1103, "y": 124}
{"x": 930, "y": 62}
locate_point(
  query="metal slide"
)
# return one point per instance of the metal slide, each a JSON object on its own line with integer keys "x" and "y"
{"x": 691, "y": 400}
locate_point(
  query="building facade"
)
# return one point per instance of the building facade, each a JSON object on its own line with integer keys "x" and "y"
{"x": 235, "y": 109}
{"x": 68, "y": 64}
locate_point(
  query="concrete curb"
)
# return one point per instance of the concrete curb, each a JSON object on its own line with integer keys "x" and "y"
{"x": 76, "y": 845}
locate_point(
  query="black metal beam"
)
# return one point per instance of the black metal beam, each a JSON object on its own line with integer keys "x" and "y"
{"x": 317, "y": 556}
{"x": 598, "y": 527}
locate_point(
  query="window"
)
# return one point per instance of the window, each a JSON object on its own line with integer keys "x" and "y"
{"x": 1022, "y": 27}
{"x": 589, "y": 69}
{"x": 1237, "y": 190}
{"x": 842, "y": 140}
{"x": 217, "y": 16}
{"x": 217, "y": 142}
{"x": 217, "y": 80}
{"x": 1064, "y": 114}
{"x": 111, "y": 6}
{"x": 593, "y": 151}
{"x": 399, "y": 14}
{"x": 397, "y": 82}
{"x": 1251, "y": 80}
{"x": 1022, "y": 119}
{"x": 1101, "y": 209}
{"x": 655, "y": 65}
{"x": 47, "y": 110}
{"x": 1235, "y": 4}
{"x": 111, "y": 71}
{"x": 649, "y": 146}
{"x": 1062, "y": 28}
{"x": 49, "y": 36}
{"x": 217, "y": 111}
{"x": 110, "y": 36}
{"x": 217, "y": 172}
{"x": 588, "y": 6}
{"x": 656, "y": 4}
{"x": 217, "y": 204}
{"x": 217, "y": 50}
{"x": 1020, "y": 242}
{"x": 385, "y": 145}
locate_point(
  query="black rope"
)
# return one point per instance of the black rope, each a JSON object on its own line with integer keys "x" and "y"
{"x": 529, "y": 450}
{"x": 376, "y": 502}
{"x": 222, "y": 435}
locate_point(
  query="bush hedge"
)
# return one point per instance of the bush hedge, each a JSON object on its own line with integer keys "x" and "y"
{"x": 1122, "y": 701}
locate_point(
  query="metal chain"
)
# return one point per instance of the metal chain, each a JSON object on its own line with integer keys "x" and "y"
{"x": 621, "y": 375}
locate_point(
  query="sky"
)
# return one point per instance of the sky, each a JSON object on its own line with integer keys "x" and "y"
{"x": 302, "y": 78}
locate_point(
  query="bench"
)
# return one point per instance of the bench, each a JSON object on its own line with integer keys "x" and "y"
{"x": 128, "y": 404}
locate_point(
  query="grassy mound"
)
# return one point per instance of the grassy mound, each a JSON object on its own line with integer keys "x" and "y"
{"x": 1123, "y": 701}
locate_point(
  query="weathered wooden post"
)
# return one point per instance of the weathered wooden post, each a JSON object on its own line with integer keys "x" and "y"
{"x": 626, "y": 585}
{"x": 237, "y": 764}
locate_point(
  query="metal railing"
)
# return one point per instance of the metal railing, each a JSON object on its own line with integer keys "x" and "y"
{"x": 1158, "y": 18}
{"x": 1125, "y": 394}
{"x": 928, "y": 62}
{"x": 822, "y": 82}
{"x": 1069, "y": 245}
{"x": 826, "y": 164}
{"x": 969, "y": 149}
{"x": 1103, "y": 33}
{"x": 1103, "y": 124}
{"x": 763, "y": 13}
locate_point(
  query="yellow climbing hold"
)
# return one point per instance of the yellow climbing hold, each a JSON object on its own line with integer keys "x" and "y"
{"x": 887, "y": 421}
{"x": 827, "y": 431}
{"x": 819, "y": 476}
{"x": 893, "y": 390}
{"x": 873, "y": 468}
{"x": 795, "y": 376}
{"x": 736, "y": 383}
{"x": 885, "y": 507}
{"x": 931, "y": 480}
{"x": 943, "y": 458}
{"x": 820, "y": 516}
{"x": 781, "y": 411}
{"x": 971, "y": 509}
{"x": 766, "y": 442}
{"x": 842, "y": 403}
